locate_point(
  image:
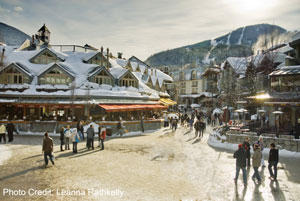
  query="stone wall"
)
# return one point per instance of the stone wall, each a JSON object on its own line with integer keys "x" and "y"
{"x": 53, "y": 126}
{"x": 283, "y": 142}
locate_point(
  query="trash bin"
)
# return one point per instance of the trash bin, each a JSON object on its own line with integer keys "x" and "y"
{"x": 108, "y": 131}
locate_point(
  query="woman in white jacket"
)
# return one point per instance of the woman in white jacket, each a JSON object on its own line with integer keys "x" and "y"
{"x": 74, "y": 139}
{"x": 2, "y": 133}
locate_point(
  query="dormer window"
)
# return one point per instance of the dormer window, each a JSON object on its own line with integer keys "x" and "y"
{"x": 194, "y": 75}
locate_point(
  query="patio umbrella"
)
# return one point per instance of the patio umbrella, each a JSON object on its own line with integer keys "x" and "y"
{"x": 173, "y": 116}
{"x": 262, "y": 111}
{"x": 277, "y": 112}
{"x": 218, "y": 111}
{"x": 242, "y": 110}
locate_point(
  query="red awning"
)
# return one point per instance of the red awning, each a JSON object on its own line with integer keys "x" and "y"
{"x": 136, "y": 107}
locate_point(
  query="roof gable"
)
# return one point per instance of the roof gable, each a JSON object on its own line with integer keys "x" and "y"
{"x": 49, "y": 52}
{"x": 22, "y": 68}
{"x": 62, "y": 67}
{"x": 98, "y": 69}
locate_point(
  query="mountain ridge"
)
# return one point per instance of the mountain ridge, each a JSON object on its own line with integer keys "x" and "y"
{"x": 238, "y": 42}
{"x": 11, "y": 35}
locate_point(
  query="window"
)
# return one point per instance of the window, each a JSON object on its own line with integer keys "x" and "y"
{"x": 128, "y": 81}
{"x": 55, "y": 76}
{"x": 102, "y": 78}
{"x": 194, "y": 90}
{"x": 194, "y": 75}
{"x": 182, "y": 84}
{"x": 182, "y": 91}
{"x": 13, "y": 76}
{"x": 195, "y": 84}
{"x": 45, "y": 58}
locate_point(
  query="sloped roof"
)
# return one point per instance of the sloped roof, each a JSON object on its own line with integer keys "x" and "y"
{"x": 98, "y": 69}
{"x": 62, "y": 66}
{"x": 60, "y": 56}
{"x": 21, "y": 67}
{"x": 239, "y": 64}
{"x": 286, "y": 70}
{"x": 44, "y": 28}
{"x": 118, "y": 72}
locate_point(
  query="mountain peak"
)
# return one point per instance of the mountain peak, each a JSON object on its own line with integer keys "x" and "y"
{"x": 237, "y": 43}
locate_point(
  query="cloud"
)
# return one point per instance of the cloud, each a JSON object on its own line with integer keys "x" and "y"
{"x": 4, "y": 10}
{"x": 18, "y": 9}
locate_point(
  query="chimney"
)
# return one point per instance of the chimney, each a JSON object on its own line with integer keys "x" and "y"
{"x": 120, "y": 55}
{"x": 151, "y": 72}
{"x": 155, "y": 72}
{"x": 2, "y": 56}
{"x": 32, "y": 39}
{"x": 107, "y": 64}
{"x": 101, "y": 62}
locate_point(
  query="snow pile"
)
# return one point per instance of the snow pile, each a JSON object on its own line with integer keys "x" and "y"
{"x": 5, "y": 153}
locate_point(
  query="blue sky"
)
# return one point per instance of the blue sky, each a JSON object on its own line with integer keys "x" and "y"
{"x": 144, "y": 27}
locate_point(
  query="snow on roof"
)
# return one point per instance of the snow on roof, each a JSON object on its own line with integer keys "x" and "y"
{"x": 89, "y": 55}
{"x": 118, "y": 72}
{"x": 64, "y": 67}
{"x": 59, "y": 55}
{"x": 239, "y": 64}
{"x": 160, "y": 82}
{"x": 74, "y": 65}
{"x": 121, "y": 62}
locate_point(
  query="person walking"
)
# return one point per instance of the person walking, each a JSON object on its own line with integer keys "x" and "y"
{"x": 240, "y": 156}
{"x": 260, "y": 142}
{"x": 62, "y": 138}
{"x": 247, "y": 147}
{"x": 90, "y": 136}
{"x": 120, "y": 128}
{"x": 197, "y": 127}
{"x": 48, "y": 149}
{"x": 256, "y": 161}
{"x": 174, "y": 124}
{"x": 67, "y": 136}
{"x": 202, "y": 128}
{"x": 80, "y": 130}
{"x": 10, "y": 130}
{"x": 102, "y": 136}
{"x": 273, "y": 161}
{"x": 192, "y": 122}
{"x": 2, "y": 133}
{"x": 75, "y": 139}
{"x": 142, "y": 123}
{"x": 166, "y": 120}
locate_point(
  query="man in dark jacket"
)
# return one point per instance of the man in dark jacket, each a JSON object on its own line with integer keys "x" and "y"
{"x": 48, "y": 149}
{"x": 10, "y": 130}
{"x": 62, "y": 138}
{"x": 273, "y": 161}
{"x": 90, "y": 136}
{"x": 246, "y": 146}
{"x": 240, "y": 156}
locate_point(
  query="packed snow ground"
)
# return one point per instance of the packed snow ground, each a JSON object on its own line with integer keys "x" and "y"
{"x": 162, "y": 165}
{"x": 5, "y": 153}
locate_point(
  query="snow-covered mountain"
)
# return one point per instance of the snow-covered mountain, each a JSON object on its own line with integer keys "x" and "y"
{"x": 12, "y": 36}
{"x": 234, "y": 44}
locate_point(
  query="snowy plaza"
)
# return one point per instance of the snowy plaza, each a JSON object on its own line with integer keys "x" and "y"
{"x": 156, "y": 165}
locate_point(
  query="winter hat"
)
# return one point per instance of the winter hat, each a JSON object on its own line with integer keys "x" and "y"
{"x": 240, "y": 145}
